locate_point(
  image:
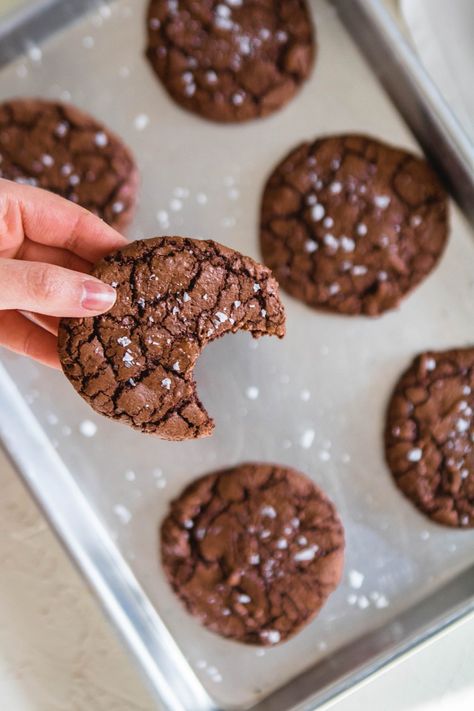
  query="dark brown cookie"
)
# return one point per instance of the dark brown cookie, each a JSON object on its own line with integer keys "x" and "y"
{"x": 351, "y": 225}
{"x": 174, "y": 295}
{"x": 429, "y": 435}
{"x": 253, "y": 551}
{"x": 230, "y": 60}
{"x": 62, "y": 149}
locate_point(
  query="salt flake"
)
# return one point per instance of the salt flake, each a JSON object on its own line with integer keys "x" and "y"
{"x": 101, "y": 139}
{"x": 335, "y": 187}
{"x": 307, "y": 438}
{"x": 141, "y": 121}
{"x": 273, "y": 636}
{"x": 306, "y": 554}
{"x": 414, "y": 455}
{"x": 123, "y": 513}
{"x": 382, "y": 201}
{"x": 356, "y": 579}
{"x": 318, "y": 212}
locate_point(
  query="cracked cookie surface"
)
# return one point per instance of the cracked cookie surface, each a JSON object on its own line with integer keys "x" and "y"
{"x": 351, "y": 225}
{"x": 429, "y": 435}
{"x": 174, "y": 295}
{"x": 253, "y": 551}
{"x": 59, "y": 148}
{"x": 230, "y": 60}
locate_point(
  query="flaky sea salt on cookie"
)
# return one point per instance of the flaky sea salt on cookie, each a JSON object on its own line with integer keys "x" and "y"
{"x": 174, "y": 295}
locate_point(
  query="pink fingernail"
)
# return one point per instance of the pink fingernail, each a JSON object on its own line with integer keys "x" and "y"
{"x": 97, "y": 296}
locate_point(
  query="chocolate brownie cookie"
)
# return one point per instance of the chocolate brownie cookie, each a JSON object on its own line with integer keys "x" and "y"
{"x": 62, "y": 149}
{"x": 253, "y": 551}
{"x": 351, "y": 225}
{"x": 229, "y": 60}
{"x": 429, "y": 435}
{"x": 174, "y": 295}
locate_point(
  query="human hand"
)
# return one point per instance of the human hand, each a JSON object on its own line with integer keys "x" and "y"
{"x": 47, "y": 247}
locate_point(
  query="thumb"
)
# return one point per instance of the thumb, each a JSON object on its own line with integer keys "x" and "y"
{"x": 52, "y": 290}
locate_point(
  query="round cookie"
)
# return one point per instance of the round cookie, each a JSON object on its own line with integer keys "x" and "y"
{"x": 230, "y": 60}
{"x": 429, "y": 435}
{"x": 59, "y": 148}
{"x": 351, "y": 225}
{"x": 253, "y": 551}
{"x": 174, "y": 295}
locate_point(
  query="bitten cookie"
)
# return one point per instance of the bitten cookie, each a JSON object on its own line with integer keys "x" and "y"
{"x": 229, "y": 60}
{"x": 351, "y": 225}
{"x": 253, "y": 551}
{"x": 174, "y": 295}
{"x": 59, "y": 148}
{"x": 429, "y": 435}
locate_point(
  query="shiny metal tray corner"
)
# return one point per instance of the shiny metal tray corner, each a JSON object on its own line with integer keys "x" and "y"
{"x": 105, "y": 494}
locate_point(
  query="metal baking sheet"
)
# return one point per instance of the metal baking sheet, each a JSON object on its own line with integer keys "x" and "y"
{"x": 314, "y": 401}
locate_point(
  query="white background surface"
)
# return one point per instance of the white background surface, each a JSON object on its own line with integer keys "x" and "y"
{"x": 57, "y": 653}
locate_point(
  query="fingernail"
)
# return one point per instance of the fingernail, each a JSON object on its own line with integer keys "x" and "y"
{"x": 97, "y": 296}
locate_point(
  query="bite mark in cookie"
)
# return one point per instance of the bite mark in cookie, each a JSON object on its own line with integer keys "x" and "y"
{"x": 174, "y": 295}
